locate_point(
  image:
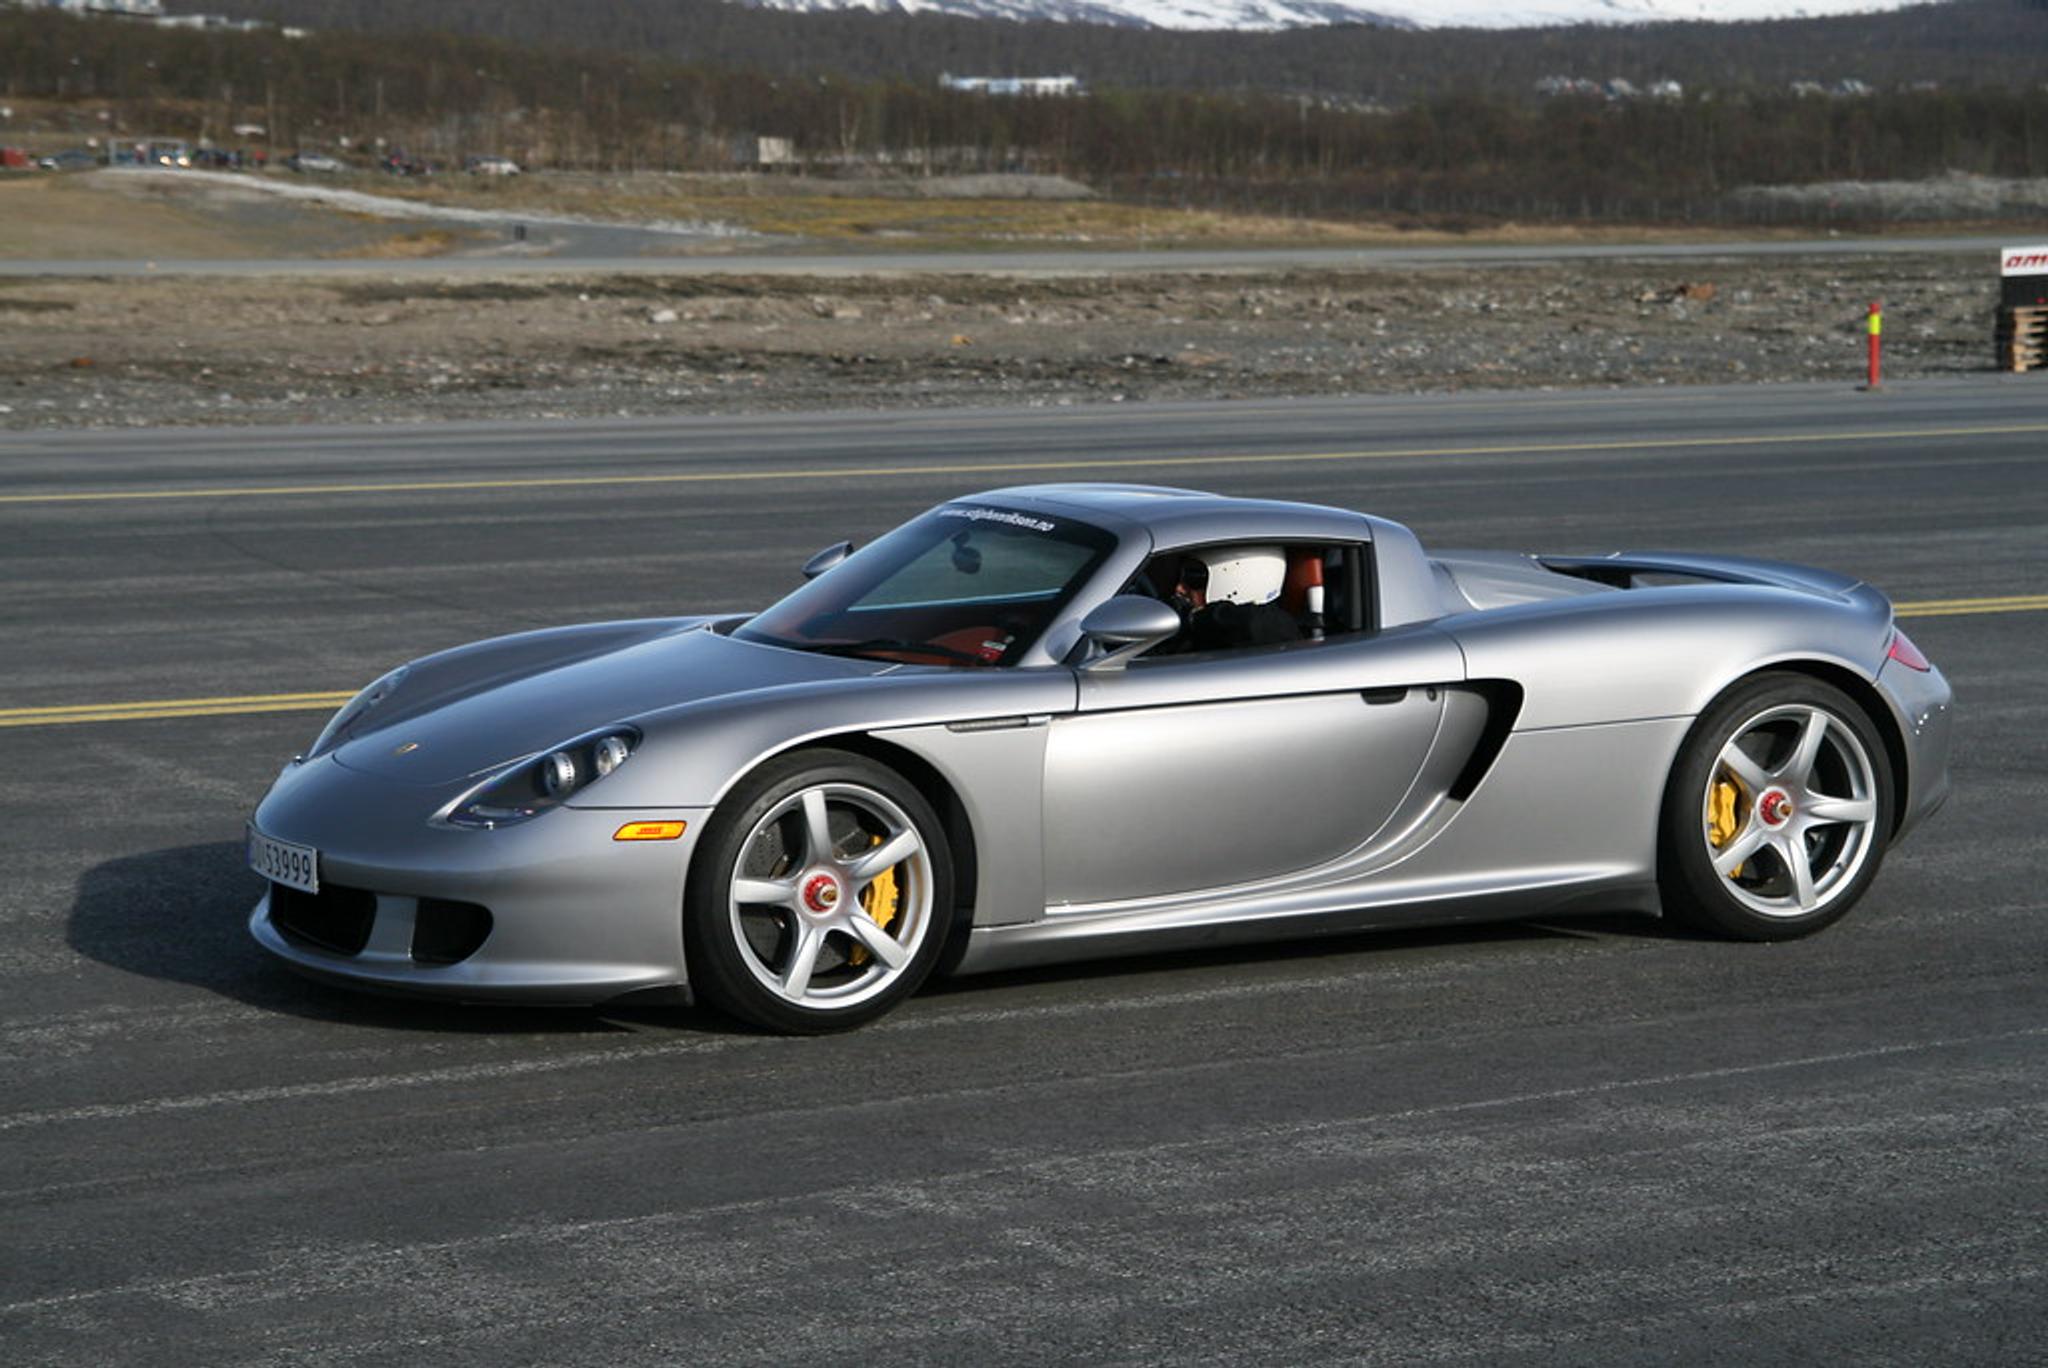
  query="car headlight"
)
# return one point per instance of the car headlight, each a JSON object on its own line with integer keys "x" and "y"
{"x": 524, "y": 791}
{"x": 356, "y": 709}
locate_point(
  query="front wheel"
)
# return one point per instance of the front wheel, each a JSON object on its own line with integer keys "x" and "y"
{"x": 1776, "y": 814}
{"x": 821, "y": 896}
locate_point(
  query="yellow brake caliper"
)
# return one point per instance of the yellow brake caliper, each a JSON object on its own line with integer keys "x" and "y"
{"x": 878, "y": 900}
{"x": 1722, "y": 821}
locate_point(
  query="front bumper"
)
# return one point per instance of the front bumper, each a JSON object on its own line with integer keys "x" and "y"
{"x": 550, "y": 911}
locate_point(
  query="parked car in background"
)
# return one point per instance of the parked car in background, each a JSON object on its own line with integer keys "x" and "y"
{"x": 168, "y": 152}
{"x": 318, "y": 162}
{"x": 70, "y": 159}
{"x": 491, "y": 166}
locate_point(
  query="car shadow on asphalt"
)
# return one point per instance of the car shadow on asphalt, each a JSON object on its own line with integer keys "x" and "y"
{"x": 1563, "y": 931}
{"x": 182, "y": 915}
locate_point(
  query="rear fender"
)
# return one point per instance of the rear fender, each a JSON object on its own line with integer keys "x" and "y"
{"x": 1666, "y": 652}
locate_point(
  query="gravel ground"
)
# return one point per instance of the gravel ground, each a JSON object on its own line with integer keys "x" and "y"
{"x": 95, "y": 352}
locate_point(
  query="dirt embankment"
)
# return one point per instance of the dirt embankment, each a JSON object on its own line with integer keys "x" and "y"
{"x": 195, "y": 350}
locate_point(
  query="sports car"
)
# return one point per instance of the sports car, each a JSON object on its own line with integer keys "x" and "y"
{"x": 1065, "y": 721}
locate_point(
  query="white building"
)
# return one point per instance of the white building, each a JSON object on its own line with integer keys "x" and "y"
{"x": 146, "y": 8}
{"x": 1013, "y": 85}
{"x": 153, "y": 11}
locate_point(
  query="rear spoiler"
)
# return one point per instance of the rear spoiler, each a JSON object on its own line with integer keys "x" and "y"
{"x": 1622, "y": 568}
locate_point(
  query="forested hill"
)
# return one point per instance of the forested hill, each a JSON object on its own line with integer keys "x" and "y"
{"x": 1967, "y": 43}
{"x": 1441, "y": 157}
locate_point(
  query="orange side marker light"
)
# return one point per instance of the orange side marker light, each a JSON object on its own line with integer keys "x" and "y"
{"x": 649, "y": 831}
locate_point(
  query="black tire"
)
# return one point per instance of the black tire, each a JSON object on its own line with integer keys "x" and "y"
{"x": 803, "y": 957}
{"x": 1753, "y": 774}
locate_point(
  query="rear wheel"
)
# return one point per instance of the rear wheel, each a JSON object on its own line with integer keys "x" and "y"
{"x": 821, "y": 897}
{"x": 1776, "y": 814}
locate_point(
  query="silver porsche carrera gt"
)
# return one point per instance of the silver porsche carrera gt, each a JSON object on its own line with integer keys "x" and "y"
{"x": 1067, "y": 721}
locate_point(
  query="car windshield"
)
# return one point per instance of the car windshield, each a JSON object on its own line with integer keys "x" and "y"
{"x": 965, "y": 584}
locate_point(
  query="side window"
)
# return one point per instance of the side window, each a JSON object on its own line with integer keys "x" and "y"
{"x": 1239, "y": 596}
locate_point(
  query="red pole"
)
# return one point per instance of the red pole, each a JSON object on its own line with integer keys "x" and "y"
{"x": 1876, "y": 343}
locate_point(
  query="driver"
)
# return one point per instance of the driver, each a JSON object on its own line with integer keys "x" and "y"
{"x": 1229, "y": 596}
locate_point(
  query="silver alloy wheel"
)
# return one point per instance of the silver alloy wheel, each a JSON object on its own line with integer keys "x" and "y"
{"x": 1803, "y": 817}
{"x": 801, "y": 887}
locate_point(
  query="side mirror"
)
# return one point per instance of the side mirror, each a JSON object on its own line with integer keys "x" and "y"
{"x": 1127, "y": 625}
{"x": 826, "y": 559}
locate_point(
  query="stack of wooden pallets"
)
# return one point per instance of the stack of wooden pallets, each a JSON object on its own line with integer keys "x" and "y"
{"x": 2023, "y": 338}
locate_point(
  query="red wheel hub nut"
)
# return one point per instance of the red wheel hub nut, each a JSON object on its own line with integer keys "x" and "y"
{"x": 821, "y": 893}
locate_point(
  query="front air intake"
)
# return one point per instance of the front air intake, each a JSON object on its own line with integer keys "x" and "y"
{"x": 447, "y": 932}
{"x": 337, "y": 920}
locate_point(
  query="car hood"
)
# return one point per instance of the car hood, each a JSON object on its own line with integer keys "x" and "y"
{"x": 461, "y": 730}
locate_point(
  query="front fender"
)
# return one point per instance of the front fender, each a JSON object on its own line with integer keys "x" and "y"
{"x": 692, "y": 754}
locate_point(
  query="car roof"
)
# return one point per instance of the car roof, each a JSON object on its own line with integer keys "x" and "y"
{"x": 1183, "y": 517}
{"x": 1169, "y": 519}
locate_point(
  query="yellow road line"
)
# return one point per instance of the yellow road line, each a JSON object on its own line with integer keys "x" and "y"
{"x": 249, "y": 704}
{"x": 172, "y": 707}
{"x": 309, "y": 699}
{"x": 2011, "y": 603}
{"x": 1018, "y": 467}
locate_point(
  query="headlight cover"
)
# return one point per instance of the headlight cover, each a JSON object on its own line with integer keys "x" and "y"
{"x": 356, "y": 709}
{"x": 523, "y": 791}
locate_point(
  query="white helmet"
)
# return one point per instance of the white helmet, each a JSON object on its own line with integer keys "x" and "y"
{"x": 1244, "y": 574}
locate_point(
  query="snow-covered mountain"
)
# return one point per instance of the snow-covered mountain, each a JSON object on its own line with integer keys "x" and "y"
{"x": 1275, "y": 14}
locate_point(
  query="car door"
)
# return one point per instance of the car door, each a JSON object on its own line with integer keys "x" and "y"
{"x": 1194, "y": 772}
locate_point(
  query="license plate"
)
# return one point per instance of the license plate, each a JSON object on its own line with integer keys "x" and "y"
{"x": 294, "y": 866}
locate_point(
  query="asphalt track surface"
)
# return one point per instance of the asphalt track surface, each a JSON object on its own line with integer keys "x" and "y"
{"x": 595, "y": 248}
{"x": 1594, "y": 1141}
